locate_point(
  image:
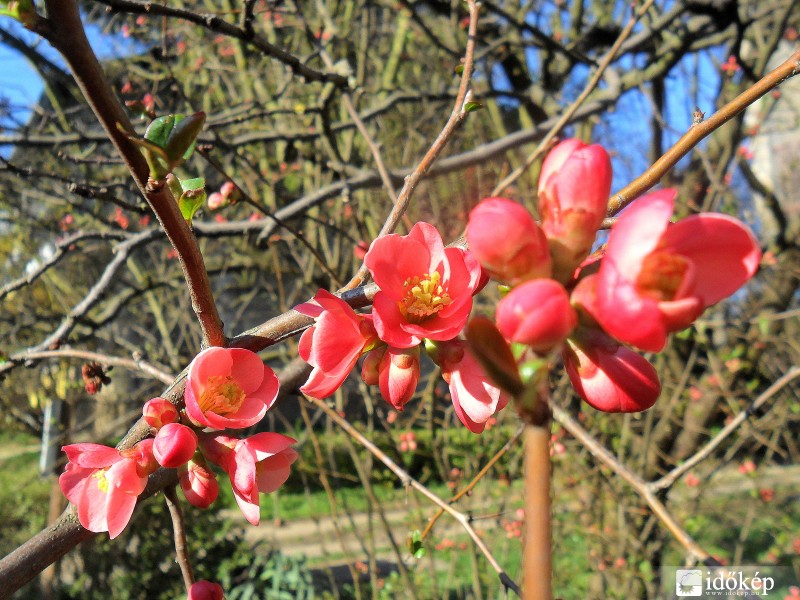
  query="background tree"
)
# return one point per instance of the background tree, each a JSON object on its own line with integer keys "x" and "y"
{"x": 316, "y": 113}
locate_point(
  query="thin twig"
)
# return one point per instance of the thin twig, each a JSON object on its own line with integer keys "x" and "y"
{"x": 134, "y": 364}
{"x": 699, "y": 131}
{"x": 671, "y": 477}
{"x": 179, "y": 534}
{"x": 219, "y": 25}
{"x": 457, "y": 116}
{"x": 407, "y": 480}
{"x": 478, "y": 476}
{"x": 599, "y": 451}
{"x": 544, "y": 145}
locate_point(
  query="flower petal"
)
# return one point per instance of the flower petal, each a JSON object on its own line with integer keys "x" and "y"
{"x": 638, "y": 231}
{"x": 392, "y": 259}
{"x": 723, "y": 252}
{"x": 247, "y": 369}
{"x": 120, "y": 507}
{"x": 273, "y": 472}
{"x": 389, "y": 323}
{"x": 92, "y": 456}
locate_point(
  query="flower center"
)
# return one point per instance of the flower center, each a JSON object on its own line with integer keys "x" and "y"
{"x": 424, "y": 297}
{"x": 102, "y": 480}
{"x": 222, "y": 395}
{"x": 662, "y": 275}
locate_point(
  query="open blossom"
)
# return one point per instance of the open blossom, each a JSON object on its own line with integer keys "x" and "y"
{"x": 507, "y": 242}
{"x": 656, "y": 277}
{"x": 334, "y": 343}
{"x": 573, "y": 191}
{"x": 425, "y": 289}
{"x": 609, "y": 376}
{"x": 229, "y": 388}
{"x": 536, "y": 313}
{"x": 103, "y": 483}
{"x": 475, "y": 399}
{"x": 258, "y": 464}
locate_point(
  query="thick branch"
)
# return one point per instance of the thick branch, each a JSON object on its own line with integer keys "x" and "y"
{"x": 64, "y": 30}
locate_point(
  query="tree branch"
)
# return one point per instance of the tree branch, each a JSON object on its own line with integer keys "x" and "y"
{"x": 64, "y": 30}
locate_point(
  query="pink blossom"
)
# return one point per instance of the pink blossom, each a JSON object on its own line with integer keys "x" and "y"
{"x": 149, "y": 102}
{"x": 691, "y": 480}
{"x": 425, "y": 289}
{"x": 334, "y": 343}
{"x": 103, "y": 483}
{"x": 536, "y": 313}
{"x": 198, "y": 482}
{"x": 260, "y": 463}
{"x": 174, "y": 445}
{"x": 573, "y": 191}
{"x": 656, "y": 278}
{"x": 609, "y": 376}
{"x": 229, "y": 387}
{"x": 121, "y": 219}
{"x": 158, "y": 412}
{"x": 227, "y": 189}
{"x": 206, "y": 590}
{"x": 475, "y": 399}
{"x": 215, "y": 201}
{"x": 506, "y": 240}
{"x": 731, "y": 66}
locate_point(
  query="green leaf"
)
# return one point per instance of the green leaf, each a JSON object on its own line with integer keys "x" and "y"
{"x": 415, "y": 544}
{"x": 196, "y": 183}
{"x": 183, "y": 137}
{"x": 171, "y": 139}
{"x": 459, "y": 69}
{"x": 472, "y": 106}
{"x": 159, "y": 129}
{"x": 192, "y": 197}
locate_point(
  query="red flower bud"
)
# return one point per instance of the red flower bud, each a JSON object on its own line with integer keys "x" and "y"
{"x": 573, "y": 191}
{"x": 199, "y": 484}
{"x": 174, "y": 445}
{"x": 399, "y": 375}
{"x": 206, "y": 590}
{"x": 536, "y": 313}
{"x": 609, "y": 376}
{"x": 158, "y": 412}
{"x": 507, "y": 242}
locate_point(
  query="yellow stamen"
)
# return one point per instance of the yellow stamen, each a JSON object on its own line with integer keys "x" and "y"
{"x": 222, "y": 395}
{"x": 662, "y": 275}
{"x": 424, "y": 297}
{"x": 102, "y": 480}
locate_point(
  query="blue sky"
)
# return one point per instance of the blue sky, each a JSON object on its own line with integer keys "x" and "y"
{"x": 21, "y": 85}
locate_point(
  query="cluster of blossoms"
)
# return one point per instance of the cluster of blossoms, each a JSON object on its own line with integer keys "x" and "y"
{"x": 424, "y": 301}
{"x": 226, "y": 388}
{"x": 651, "y": 278}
